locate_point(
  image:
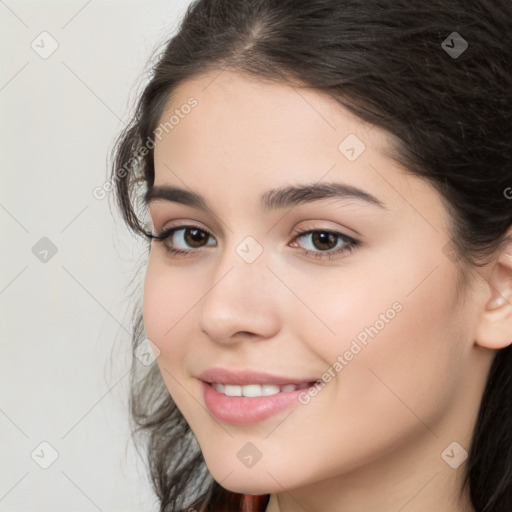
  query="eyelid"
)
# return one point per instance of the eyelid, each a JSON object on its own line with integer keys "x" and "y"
{"x": 161, "y": 216}
{"x": 182, "y": 223}
{"x": 341, "y": 231}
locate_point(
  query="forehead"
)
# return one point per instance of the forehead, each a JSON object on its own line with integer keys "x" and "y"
{"x": 262, "y": 106}
{"x": 248, "y": 136}
{"x": 269, "y": 125}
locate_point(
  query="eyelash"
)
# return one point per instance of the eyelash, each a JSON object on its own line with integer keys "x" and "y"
{"x": 350, "y": 243}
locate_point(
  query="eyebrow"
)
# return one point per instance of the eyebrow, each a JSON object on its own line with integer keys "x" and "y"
{"x": 274, "y": 199}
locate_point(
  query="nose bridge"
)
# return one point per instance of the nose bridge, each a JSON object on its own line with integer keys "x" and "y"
{"x": 242, "y": 294}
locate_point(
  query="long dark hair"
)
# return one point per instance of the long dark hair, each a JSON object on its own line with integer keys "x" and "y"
{"x": 437, "y": 76}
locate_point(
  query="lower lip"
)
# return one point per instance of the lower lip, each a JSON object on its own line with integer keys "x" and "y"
{"x": 242, "y": 410}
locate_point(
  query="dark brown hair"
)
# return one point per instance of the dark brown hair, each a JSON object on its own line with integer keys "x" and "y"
{"x": 396, "y": 64}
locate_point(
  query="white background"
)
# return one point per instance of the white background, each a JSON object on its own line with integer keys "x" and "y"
{"x": 65, "y": 323}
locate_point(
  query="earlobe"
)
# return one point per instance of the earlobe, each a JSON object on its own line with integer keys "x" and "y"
{"x": 496, "y": 303}
{"x": 494, "y": 330}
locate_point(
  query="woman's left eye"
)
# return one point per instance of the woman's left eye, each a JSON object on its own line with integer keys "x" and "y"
{"x": 326, "y": 243}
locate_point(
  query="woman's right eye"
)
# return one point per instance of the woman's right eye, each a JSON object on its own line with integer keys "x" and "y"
{"x": 191, "y": 239}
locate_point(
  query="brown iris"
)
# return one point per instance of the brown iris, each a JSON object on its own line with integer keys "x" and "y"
{"x": 321, "y": 238}
{"x": 195, "y": 237}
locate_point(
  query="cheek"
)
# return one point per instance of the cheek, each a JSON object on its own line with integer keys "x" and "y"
{"x": 401, "y": 350}
{"x": 168, "y": 299}
{"x": 168, "y": 305}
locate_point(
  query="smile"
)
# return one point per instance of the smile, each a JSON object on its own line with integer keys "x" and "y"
{"x": 253, "y": 390}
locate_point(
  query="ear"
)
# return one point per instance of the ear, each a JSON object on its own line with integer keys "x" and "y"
{"x": 494, "y": 330}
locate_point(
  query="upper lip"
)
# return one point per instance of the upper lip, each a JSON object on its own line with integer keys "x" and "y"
{"x": 243, "y": 378}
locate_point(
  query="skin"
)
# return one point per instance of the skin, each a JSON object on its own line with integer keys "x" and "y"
{"x": 373, "y": 437}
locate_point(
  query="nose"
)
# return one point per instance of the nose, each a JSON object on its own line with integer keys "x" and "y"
{"x": 241, "y": 302}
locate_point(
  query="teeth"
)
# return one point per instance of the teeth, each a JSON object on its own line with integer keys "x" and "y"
{"x": 232, "y": 390}
{"x": 252, "y": 390}
{"x": 218, "y": 387}
{"x": 265, "y": 390}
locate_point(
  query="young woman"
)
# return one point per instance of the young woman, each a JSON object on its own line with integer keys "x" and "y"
{"x": 327, "y": 189}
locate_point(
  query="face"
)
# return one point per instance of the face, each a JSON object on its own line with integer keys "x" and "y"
{"x": 349, "y": 284}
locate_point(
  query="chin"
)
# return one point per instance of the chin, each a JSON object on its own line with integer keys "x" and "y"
{"x": 247, "y": 482}
{"x": 251, "y": 488}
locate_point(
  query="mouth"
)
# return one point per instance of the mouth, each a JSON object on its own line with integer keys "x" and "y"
{"x": 244, "y": 397}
